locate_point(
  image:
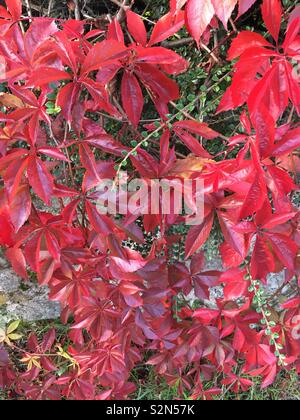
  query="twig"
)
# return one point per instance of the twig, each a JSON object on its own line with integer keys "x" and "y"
{"x": 50, "y": 7}
{"x": 233, "y": 25}
{"x": 210, "y": 52}
{"x": 28, "y": 7}
{"x": 123, "y": 7}
{"x": 186, "y": 41}
{"x": 39, "y": 9}
{"x": 178, "y": 43}
{"x": 291, "y": 115}
{"x": 77, "y": 10}
{"x": 117, "y": 3}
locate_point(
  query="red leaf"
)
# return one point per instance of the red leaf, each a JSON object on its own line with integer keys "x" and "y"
{"x": 198, "y": 235}
{"x": 202, "y": 129}
{"x": 193, "y": 144}
{"x": 106, "y": 143}
{"x": 270, "y": 377}
{"x": 224, "y": 9}
{"x": 238, "y": 340}
{"x": 132, "y": 98}
{"x": 7, "y": 229}
{"x": 40, "y": 179}
{"x": 15, "y": 8}
{"x": 48, "y": 340}
{"x": 88, "y": 160}
{"x": 136, "y": 27}
{"x": 278, "y": 219}
{"x": 166, "y": 27}
{"x": 197, "y": 263}
{"x": 292, "y": 81}
{"x": 39, "y": 31}
{"x": 262, "y": 260}
{"x": 289, "y": 142}
{"x": 20, "y": 206}
{"x": 206, "y": 315}
{"x": 235, "y": 239}
{"x": 254, "y": 199}
{"x": 199, "y": 14}
{"x": 285, "y": 249}
{"x": 235, "y": 289}
{"x": 47, "y": 364}
{"x": 18, "y": 261}
{"x": 53, "y": 152}
{"x": 101, "y": 54}
{"x": 230, "y": 257}
{"x": 47, "y": 75}
{"x": 158, "y": 55}
{"x": 272, "y": 14}
{"x": 244, "y": 6}
{"x": 101, "y": 223}
{"x": 236, "y": 285}
{"x": 66, "y": 98}
{"x": 294, "y": 15}
{"x": 291, "y": 303}
{"x": 130, "y": 265}
{"x": 115, "y": 31}
{"x": 65, "y": 51}
{"x": 163, "y": 88}
{"x": 270, "y": 92}
{"x": 4, "y": 362}
{"x": 45, "y": 271}
{"x": 244, "y": 41}
{"x": 264, "y": 125}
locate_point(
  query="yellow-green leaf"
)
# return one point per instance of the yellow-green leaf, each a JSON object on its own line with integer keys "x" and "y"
{"x": 13, "y": 326}
{"x": 15, "y": 337}
{"x": 36, "y": 363}
{"x": 2, "y": 335}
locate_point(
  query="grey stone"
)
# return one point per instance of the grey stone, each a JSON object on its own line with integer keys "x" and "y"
{"x": 9, "y": 282}
{"x": 25, "y": 301}
{"x": 275, "y": 281}
{"x": 34, "y": 308}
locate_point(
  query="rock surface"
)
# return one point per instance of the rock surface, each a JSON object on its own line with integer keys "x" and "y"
{"x": 26, "y": 301}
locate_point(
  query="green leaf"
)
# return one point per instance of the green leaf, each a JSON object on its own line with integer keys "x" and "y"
{"x": 13, "y": 326}
{"x": 15, "y": 337}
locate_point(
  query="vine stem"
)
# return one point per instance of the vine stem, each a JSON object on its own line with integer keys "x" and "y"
{"x": 190, "y": 117}
{"x": 118, "y": 3}
{"x": 163, "y": 125}
{"x": 256, "y": 286}
{"x": 77, "y": 10}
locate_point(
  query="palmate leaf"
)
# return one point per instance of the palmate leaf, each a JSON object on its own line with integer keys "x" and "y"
{"x": 278, "y": 84}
